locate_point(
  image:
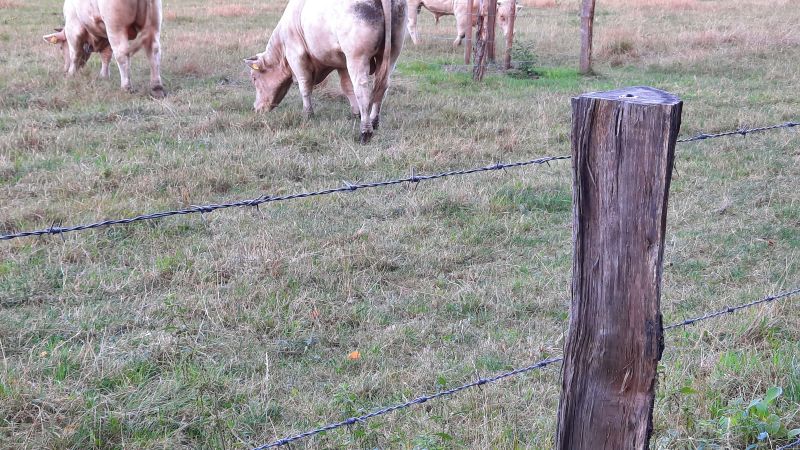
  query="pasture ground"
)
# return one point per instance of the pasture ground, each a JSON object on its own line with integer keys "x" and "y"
{"x": 228, "y": 330}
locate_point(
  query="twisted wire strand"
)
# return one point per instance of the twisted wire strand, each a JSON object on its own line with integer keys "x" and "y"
{"x": 733, "y": 309}
{"x": 348, "y": 187}
{"x": 481, "y": 381}
{"x": 741, "y": 131}
{"x": 416, "y": 401}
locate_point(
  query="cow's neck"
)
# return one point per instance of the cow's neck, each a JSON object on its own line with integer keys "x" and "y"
{"x": 275, "y": 54}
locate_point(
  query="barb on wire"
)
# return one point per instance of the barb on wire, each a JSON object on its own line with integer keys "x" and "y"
{"x": 416, "y": 178}
{"x": 740, "y": 132}
{"x": 481, "y": 381}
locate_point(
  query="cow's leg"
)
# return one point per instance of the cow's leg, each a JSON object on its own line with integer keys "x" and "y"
{"x": 413, "y": 10}
{"x": 75, "y": 48}
{"x": 358, "y": 68}
{"x": 306, "y": 84}
{"x": 153, "y": 50}
{"x": 121, "y": 48}
{"x": 105, "y": 59}
{"x": 462, "y": 25}
{"x": 377, "y": 101}
{"x": 347, "y": 88}
{"x": 304, "y": 74}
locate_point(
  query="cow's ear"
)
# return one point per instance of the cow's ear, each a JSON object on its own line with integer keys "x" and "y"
{"x": 254, "y": 62}
{"x": 55, "y": 38}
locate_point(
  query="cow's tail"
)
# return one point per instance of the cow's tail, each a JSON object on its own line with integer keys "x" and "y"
{"x": 382, "y": 74}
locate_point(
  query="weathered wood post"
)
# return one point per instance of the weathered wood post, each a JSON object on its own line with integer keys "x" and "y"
{"x": 587, "y": 23}
{"x": 510, "y": 35}
{"x": 479, "y": 60}
{"x": 468, "y": 42}
{"x": 491, "y": 26}
{"x": 623, "y": 145}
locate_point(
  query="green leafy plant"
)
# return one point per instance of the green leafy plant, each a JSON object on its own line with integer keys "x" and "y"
{"x": 524, "y": 59}
{"x": 756, "y": 422}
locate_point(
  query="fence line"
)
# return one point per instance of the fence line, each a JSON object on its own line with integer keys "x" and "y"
{"x": 481, "y": 381}
{"x": 741, "y": 132}
{"x": 255, "y": 202}
{"x": 348, "y": 187}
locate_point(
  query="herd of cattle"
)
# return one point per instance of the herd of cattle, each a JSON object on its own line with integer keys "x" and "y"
{"x": 356, "y": 38}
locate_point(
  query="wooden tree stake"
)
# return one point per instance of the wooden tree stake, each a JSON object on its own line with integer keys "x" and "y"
{"x": 623, "y": 144}
{"x": 491, "y": 26}
{"x": 479, "y": 60}
{"x": 510, "y": 35}
{"x": 468, "y": 42}
{"x": 587, "y": 23}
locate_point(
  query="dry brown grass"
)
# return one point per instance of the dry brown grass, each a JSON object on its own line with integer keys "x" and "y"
{"x": 680, "y": 5}
{"x": 539, "y": 4}
{"x": 234, "y": 10}
{"x": 230, "y": 329}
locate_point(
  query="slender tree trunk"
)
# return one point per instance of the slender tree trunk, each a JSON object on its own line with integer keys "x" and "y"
{"x": 510, "y": 35}
{"x": 587, "y": 22}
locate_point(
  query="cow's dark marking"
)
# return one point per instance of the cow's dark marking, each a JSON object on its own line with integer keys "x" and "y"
{"x": 369, "y": 11}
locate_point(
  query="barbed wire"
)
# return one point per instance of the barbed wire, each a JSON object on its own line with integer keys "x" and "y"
{"x": 733, "y": 309}
{"x": 416, "y": 401}
{"x": 348, "y": 187}
{"x": 795, "y": 444}
{"x": 741, "y": 131}
{"x": 255, "y": 202}
{"x": 481, "y": 381}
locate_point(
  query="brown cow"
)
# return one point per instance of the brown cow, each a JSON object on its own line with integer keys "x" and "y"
{"x": 459, "y": 9}
{"x": 315, "y": 37}
{"x": 124, "y": 25}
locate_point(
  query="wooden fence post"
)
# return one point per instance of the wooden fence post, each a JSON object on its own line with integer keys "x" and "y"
{"x": 479, "y": 60}
{"x": 623, "y": 145}
{"x": 510, "y": 35}
{"x": 491, "y": 25}
{"x": 468, "y": 43}
{"x": 587, "y": 23}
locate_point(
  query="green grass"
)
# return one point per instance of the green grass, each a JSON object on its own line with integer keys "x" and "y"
{"x": 231, "y": 329}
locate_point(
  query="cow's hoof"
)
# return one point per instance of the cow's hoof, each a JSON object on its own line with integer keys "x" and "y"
{"x": 158, "y": 92}
{"x": 375, "y": 123}
{"x": 366, "y": 137}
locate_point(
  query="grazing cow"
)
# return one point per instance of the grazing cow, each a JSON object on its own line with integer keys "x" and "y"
{"x": 459, "y": 9}
{"x": 315, "y": 37}
{"x": 89, "y": 46}
{"x": 124, "y": 25}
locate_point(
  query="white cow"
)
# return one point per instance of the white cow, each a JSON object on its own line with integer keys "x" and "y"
{"x": 87, "y": 47}
{"x": 315, "y": 37}
{"x": 124, "y": 25}
{"x": 459, "y": 9}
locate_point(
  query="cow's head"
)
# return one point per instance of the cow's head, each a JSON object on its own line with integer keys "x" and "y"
{"x": 505, "y": 10}
{"x": 59, "y": 38}
{"x": 271, "y": 81}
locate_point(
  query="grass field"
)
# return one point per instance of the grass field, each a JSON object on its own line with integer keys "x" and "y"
{"x": 232, "y": 329}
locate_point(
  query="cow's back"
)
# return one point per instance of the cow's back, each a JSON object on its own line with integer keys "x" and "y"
{"x": 331, "y": 29}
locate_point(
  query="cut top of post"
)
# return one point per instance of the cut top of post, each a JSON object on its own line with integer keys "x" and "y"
{"x": 642, "y": 95}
